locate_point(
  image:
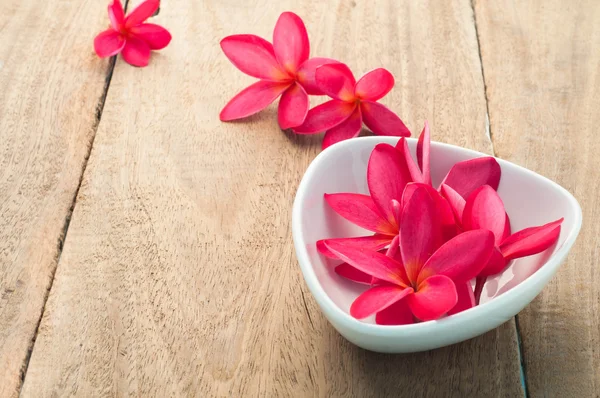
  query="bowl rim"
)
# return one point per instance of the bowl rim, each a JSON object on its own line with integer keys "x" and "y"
{"x": 346, "y": 320}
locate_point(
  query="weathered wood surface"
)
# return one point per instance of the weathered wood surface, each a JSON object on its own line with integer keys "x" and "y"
{"x": 542, "y": 71}
{"x": 178, "y": 276}
{"x": 51, "y": 84}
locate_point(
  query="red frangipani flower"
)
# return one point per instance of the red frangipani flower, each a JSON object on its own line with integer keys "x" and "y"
{"x": 423, "y": 279}
{"x": 282, "y": 67}
{"x": 131, "y": 36}
{"x": 353, "y": 103}
{"x": 484, "y": 209}
{"x": 444, "y": 217}
{"x": 390, "y": 173}
{"x": 379, "y": 212}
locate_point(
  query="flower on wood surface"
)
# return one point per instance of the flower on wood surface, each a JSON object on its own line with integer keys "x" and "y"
{"x": 422, "y": 279}
{"x": 353, "y": 103}
{"x": 284, "y": 69}
{"x": 130, "y": 36}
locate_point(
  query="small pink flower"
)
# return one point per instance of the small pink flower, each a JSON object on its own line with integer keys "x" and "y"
{"x": 423, "y": 279}
{"x": 282, "y": 67}
{"x": 484, "y": 209}
{"x": 130, "y": 36}
{"x": 353, "y": 103}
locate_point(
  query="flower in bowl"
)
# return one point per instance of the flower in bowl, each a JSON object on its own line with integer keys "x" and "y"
{"x": 531, "y": 200}
{"x": 420, "y": 279}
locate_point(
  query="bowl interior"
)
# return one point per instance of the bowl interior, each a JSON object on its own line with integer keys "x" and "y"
{"x": 529, "y": 198}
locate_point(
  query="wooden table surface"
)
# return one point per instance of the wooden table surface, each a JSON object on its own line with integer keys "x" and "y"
{"x": 145, "y": 247}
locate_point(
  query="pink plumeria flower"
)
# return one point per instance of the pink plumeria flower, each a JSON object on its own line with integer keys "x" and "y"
{"x": 282, "y": 67}
{"x": 484, "y": 209}
{"x": 130, "y": 36}
{"x": 446, "y": 231}
{"x": 353, "y": 103}
{"x": 392, "y": 170}
{"x": 379, "y": 212}
{"x": 390, "y": 186}
{"x": 424, "y": 280}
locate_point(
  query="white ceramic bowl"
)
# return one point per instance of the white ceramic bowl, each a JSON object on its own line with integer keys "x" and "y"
{"x": 529, "y": 198}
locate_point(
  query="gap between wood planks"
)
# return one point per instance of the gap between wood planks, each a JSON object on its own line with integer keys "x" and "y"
{"x": 65, "y": 229}
{"x": 490, "y": 136}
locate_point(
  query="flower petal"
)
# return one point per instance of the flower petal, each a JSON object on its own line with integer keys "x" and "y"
{"x": 254, "y": 56}
{"x": 457, "y": 202}
{"x": 484, "y": 210}
{"x": 349, "y": 128}
{"x": 306, "y": 74}
{"x": 434, "y": 297}
{"x": 116, "y": 14}
{"x": 386, "y": 177}
{"x": 531, "y": 240}
{"x": 382, "y": 121}
{"x": 418, "y": 231}
{"x": 464, "y": 177}
{"x": 336, "y": 80}
{"x": 397, "y": 211}
{"x": 445, "y": 215}
{"x": 408, "y": 193}
{"x": 360, "y": 210}
{"x": 461, "y": 258}
{"x": 466, "y": 298}
{"x": 371, "y": 262}
{"x": 325, "y": 116}
{"x": 398, "y": 313}
{"x": 156, "y": 36}
{"x": 423, "y": 146}
{"x": 290, "y": 41}
{"x": 495, "y": 264}
{"x": 293, "y": 107}
{"x": 393, "y": 251}
{"x": 136, "y": 52}
{"x": 252, "y": 99}
{"x": 347, "y": 271}
{"x": 413, "y": 169}
{"x": 143, "y": 11}
{"x": 377, "y": 299}
{"x": 108, "y": 43}
{"x": 446, "y": 226}
{"x": 507, "y": 229}
{"x": 374, "y": 84}
{"x": 373, "y": 242}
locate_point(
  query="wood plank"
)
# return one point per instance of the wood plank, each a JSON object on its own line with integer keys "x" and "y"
{"x": 542, "y": 71}
{"x": 179, "y": 276}
{"x": 51, "y": 84}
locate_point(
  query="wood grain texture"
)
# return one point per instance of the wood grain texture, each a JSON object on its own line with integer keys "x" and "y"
{"x": 178, "y": 276}
{"x": 50, "y": 86}
{"x": 542, "y": 70}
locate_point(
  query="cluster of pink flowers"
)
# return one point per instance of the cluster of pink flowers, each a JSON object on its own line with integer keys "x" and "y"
{"x": 285, "y": 69}
{"x": 428, "y": 244}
